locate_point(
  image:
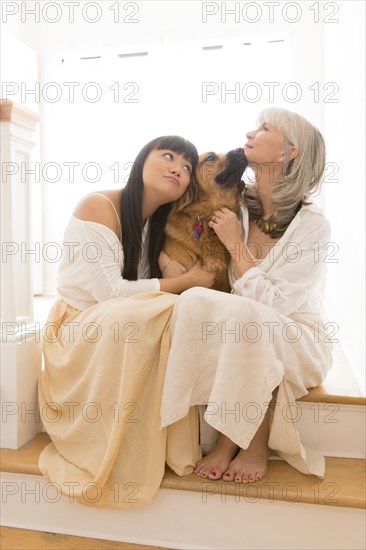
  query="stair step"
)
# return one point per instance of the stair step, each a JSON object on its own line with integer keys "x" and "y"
{"x": 344, "y": 483}
{"x": 26, "y": 539}
{"x": 25, "y": 459}
{"x": 340, "y": 386}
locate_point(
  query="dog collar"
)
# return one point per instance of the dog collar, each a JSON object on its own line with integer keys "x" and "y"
{"x": 198, "y": 227}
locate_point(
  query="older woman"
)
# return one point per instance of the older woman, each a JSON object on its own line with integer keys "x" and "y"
{"x": 266, "y": 342}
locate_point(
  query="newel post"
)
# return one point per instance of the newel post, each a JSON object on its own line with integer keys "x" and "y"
{"x": 21, "y": 346}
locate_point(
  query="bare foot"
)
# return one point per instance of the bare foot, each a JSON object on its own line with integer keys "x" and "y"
{"x": 248, "y": 466}
{"x": 251, "y": 464}
{"x": 217, "y": 461}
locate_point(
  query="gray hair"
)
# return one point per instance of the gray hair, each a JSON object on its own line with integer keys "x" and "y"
{"x": 302, "y": 176}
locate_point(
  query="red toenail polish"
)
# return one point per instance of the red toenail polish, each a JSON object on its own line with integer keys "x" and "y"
{"x": 214, "y": 474}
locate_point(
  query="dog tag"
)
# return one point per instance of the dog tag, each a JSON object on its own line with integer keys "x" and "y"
{"x": 198, "y": 227}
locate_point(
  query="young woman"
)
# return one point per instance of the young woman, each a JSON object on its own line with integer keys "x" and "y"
{"x": 106, "y": 339}
{"x": 266, "y": 342}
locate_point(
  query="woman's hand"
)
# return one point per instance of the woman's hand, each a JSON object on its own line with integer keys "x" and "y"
{"x": 228, "y": 228}
{"x": 197, "y": 276}
{"x": 170, "y": 268}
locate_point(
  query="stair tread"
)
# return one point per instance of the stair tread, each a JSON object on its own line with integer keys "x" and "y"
{"x": 344, "y": 483}
{"x": 29, "y": 539}
{"x": 340, "y": 386}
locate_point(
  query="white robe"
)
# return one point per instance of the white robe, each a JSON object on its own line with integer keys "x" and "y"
{"x": 232, "y": 350}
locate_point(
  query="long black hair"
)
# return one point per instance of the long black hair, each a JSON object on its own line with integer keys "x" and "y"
{"x": 131, "y": 207}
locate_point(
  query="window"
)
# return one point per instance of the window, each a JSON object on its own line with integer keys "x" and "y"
{"x": 110, "y": 104}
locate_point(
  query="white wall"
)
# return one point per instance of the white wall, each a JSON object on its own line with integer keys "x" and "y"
{"x": 345, "y": 198}
{"x": 19, "y": 64}
{"x": 149, "y": 22}
{"x": 11, "y": 22}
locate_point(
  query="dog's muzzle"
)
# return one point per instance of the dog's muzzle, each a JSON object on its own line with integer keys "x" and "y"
{"x": 236, "y": 163}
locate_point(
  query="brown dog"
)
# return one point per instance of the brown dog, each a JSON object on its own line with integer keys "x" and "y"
{"x": 187, "y": 234}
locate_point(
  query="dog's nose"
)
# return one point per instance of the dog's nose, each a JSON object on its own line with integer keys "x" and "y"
{"x": 238, "y": 156}
{"x": 239, "y": 151}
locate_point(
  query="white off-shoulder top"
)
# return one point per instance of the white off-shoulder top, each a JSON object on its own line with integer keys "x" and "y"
{"x": 91, "y": 266}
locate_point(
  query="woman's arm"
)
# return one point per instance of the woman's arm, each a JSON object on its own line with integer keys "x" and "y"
{"x": 97, "y": 256}
{"x": 292, "y": 269}
{"x": 228, "y": 228}
{"x": 196, "y": 276}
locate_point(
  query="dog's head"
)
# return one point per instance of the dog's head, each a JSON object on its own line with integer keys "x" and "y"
{"x": 221, "y": 171}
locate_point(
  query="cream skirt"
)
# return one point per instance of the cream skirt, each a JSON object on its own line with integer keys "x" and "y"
{"x": 100, "y": 396}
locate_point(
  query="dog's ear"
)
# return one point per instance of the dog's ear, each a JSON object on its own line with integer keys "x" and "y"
{"x": 241, "y": 187}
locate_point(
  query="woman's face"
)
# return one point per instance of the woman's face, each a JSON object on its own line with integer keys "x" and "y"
{"x": 167, "y": 174}
{"x": 265, "y": 145}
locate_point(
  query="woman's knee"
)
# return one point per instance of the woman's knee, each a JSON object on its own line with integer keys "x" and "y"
{"x": 193, "y": 293}
{"x": 195, "y": 297}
